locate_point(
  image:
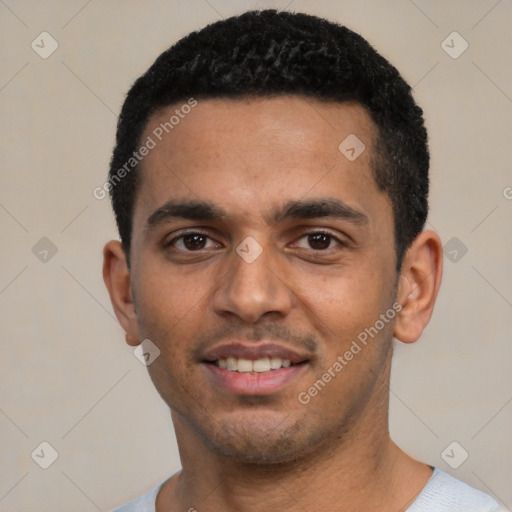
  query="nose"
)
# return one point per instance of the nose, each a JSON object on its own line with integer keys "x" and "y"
{"x": 253, "y": 289}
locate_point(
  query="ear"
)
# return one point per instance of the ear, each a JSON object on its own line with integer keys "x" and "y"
{"x": 116, "y": 275}
{"x": 420, "y": 279}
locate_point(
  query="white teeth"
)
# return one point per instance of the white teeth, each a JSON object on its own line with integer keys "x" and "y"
{"x": 262, "y": 365}
{"x": 244, "y": 365}
{"x": 275, "y": 363}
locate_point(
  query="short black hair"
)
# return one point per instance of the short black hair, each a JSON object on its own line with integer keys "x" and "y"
{"x": 268, "y": 53}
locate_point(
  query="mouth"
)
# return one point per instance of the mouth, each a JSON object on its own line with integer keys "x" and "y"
{"x": 242, "y": 365}
{"x": 260, "y": 369}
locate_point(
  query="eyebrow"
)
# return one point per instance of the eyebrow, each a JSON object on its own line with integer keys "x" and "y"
{"x": 192, "y": 210}
{"x": 317, "y": 208}
{"x": 301, "y": 209}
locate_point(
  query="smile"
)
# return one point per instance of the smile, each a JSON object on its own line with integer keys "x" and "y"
{"x": 253, "y": 369}
{"x": 242, "y": 365}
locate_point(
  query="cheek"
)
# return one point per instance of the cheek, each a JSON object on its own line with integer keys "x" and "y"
{"x": 167, "y": 305}
{"x": 346, "y": 311}
{"x": 166, "y": 314}
{"x": 345, "y": 302}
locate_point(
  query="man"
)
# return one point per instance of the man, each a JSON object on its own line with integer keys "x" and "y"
{"x": 270, "y": 183}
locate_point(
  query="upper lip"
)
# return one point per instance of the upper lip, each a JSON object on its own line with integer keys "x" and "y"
{"x": 253, "y": 351}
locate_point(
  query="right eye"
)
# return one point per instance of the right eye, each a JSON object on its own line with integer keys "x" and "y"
{"x": 191, "y": 242}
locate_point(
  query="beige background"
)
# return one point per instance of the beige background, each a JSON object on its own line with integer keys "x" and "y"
{"x": 67, "y": 377}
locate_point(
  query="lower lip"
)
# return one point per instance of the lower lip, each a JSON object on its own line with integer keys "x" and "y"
{"x": 254, "y": 384}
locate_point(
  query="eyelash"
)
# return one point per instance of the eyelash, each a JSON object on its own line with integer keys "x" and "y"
{"x": 183, "y": 235}
{"x": 339, "y": 243}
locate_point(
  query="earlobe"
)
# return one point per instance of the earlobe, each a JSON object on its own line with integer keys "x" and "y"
{"x": 116, "y": 275}
{"x": 420, "y": 279}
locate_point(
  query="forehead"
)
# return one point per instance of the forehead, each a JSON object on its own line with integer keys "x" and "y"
{"x": 281, "y": 124}
{"x": 223, "y": 150}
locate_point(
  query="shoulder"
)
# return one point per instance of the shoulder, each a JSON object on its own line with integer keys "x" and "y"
{"x": 444, "y": 493}
{"x": 145, "y": 503}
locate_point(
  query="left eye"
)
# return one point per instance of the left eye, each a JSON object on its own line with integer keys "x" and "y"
{"x": 192, "y": 242}
{"x": 318, "y": 241}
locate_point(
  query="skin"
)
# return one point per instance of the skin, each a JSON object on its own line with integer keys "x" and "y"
{"x": 311, "y": 294}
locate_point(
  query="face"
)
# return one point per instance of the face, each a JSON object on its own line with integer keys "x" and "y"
{"x": 260, "y": 253}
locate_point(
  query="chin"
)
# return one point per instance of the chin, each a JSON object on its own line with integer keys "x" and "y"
{"x": 260, "y": 442}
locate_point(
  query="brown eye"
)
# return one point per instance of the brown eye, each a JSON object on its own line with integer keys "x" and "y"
{"x": 192, "y": 242}
{"x": 319, "y": 241}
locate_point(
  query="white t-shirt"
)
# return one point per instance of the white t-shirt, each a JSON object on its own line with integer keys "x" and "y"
{"x": 443, "y": 493}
